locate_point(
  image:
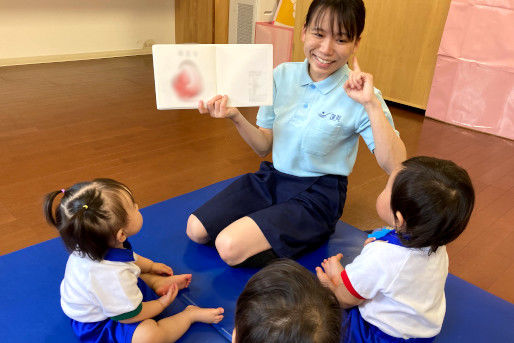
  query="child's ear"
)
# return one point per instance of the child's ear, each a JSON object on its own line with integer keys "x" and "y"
{"x": 400, "y": 222}
{"x": 120, "y": 236}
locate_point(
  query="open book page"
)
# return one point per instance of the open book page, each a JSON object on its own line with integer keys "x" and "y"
{"x": 184, "y": 74}
{"x": 245, "y": 73}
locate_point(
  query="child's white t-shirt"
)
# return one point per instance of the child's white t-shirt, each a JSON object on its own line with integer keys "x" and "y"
{"x": 92, "y": 291}
{"x": 405, "y": 288}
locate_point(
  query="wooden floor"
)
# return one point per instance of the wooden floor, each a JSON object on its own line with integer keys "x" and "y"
{"x": 62, "y": 123}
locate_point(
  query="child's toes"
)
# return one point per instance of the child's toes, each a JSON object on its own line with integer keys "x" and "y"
{"x": 219, "y": 316}
{"x": 182, "y": 280}
{"x": 216, "y": 315}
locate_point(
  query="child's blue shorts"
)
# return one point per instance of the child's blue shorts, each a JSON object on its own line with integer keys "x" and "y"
{"x": 295, "y": 214}
{"x": 109, "y": 330}
{"x": 357, "y": 330}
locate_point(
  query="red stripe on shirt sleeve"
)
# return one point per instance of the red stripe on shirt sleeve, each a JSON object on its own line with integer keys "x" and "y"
{"x": 349, "y": 286}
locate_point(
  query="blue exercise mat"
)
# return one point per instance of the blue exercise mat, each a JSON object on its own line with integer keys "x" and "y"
{"x": 30, "y": 310}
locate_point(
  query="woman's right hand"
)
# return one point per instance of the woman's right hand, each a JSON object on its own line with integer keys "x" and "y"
{"x": 217, "y": 108}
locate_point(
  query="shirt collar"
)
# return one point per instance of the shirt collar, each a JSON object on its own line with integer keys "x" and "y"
{"x": 119, "y": 254}
{"x": 327, "y": 84}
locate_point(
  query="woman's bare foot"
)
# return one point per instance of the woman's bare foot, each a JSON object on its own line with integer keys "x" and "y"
{"x": 205, "y": 315}
{"x": 163, "y": 284}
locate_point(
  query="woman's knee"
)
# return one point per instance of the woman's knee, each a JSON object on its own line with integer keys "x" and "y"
{"x": 229, "y": 249}
{"x": 196, "y": 231}
{"x": 148, "y": 331}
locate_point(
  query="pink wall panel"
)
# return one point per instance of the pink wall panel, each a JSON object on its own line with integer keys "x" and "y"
{"x": 473, "y": 84}
{"x": 281, "y": 38}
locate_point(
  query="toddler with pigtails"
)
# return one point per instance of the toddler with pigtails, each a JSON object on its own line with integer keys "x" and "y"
{"x": 109, "y": 292}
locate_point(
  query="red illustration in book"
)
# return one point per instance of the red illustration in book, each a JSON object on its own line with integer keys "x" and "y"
{"x": 187, "y": 83}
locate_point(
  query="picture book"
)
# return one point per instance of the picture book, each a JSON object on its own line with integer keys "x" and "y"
{"x": 187, "y": 73}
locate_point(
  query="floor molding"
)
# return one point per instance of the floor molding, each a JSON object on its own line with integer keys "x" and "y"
{"x": 4, "y": 62}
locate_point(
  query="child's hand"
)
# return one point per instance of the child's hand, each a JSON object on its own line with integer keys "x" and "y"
{"x": 333, "y": 268}
{"x": 217, "y": 107}
{"x": 170, "y": 295}
{"x": 359, "y": 85}
{"x": 369, "y": 240}
{"x": 160, "y": 269}
{"x": 324, "y": 279}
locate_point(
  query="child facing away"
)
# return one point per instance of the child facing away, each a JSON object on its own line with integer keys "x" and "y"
{"x": 285, "y": 303}
{"x": 110, "y": 293}
{"x": 397, "y": 281}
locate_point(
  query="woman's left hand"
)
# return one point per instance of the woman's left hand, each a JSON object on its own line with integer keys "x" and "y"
{"x": 359, "y": 85}
{"x": 161, "y": 269}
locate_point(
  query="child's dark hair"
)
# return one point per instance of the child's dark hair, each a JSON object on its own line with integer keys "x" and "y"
{"x": 285, "y": 303}
{"x": 89, "y": 215}
{"x": 435, "y": 198}
{"x": 350, "y": 14}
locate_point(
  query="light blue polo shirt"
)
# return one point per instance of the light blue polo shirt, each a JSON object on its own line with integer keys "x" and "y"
{"x": 316, "y": 126}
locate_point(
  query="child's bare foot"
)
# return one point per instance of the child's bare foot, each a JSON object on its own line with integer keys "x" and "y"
{"x": 182, "y": 281}
{"x": 206, "y": 315}
{"x": 333, "y": 268}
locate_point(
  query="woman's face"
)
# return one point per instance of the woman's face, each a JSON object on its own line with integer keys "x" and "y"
{"x": 326, "y": 51}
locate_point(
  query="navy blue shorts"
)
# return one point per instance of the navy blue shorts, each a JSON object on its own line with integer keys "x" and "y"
{"x": 295, "y": 214}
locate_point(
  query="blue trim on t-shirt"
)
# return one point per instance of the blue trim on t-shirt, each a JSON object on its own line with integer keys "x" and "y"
{"x": 125, "y": 254}
{"x": 388, "y": 235}
{"x": 378, "y": 234}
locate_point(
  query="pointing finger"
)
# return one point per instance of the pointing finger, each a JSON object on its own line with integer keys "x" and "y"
{"x": 355, "y": 64}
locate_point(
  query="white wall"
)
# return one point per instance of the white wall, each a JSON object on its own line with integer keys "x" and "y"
{"x": 33, "y": 31}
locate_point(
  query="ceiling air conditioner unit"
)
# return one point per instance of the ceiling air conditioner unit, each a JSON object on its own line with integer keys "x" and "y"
{"x": 244, "y": 14}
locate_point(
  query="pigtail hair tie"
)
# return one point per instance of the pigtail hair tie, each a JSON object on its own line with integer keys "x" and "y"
{"x": 85, "y": 206}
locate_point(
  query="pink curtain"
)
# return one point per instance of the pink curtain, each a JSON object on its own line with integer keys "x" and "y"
{"x": 473, "y": 84}
{"x": 281, "y": 38}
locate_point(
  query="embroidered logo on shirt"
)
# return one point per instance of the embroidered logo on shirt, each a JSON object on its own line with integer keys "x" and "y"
{"x": 329, "y": 116}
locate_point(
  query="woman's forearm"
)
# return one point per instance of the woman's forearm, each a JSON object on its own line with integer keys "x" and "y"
{"x": 389, "y": 148}
{"x": 259, "y": 139}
